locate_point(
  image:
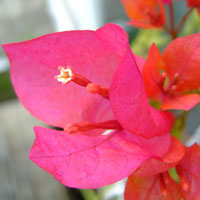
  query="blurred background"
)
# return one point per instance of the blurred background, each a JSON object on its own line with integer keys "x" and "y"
{"x": 20, "y": 20}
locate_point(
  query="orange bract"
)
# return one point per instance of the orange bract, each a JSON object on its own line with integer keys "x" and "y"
{"x": 145, "y": 14}
{"x": 173, "y": 77}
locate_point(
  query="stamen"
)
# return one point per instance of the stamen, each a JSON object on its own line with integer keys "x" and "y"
{"x": 184, "y": 184}
{"x": 171, "y": 88}
{"x": 97, "y": 89}
{"x": 86, "y": 126}
{"x": 176, "y": 75}
{"x": 162, "y": 81}
{"x": 163, "y": 185}
{"x": 183, "y": 181}
{"x": 163, "y": 75}
{"x": 67, "y": 75}
{"x": 166, "y": 177}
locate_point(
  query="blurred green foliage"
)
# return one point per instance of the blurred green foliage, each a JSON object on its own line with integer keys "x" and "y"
{"x": 6, "y": 89}
{"x": 192, "y": 24}
{"x": 144, "y": 39}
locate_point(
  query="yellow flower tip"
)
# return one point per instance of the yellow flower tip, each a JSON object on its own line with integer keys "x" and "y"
{"x": 65, "y": 75}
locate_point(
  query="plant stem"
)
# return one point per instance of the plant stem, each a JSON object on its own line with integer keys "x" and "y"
{"x": 171, "y": 15}
{"x": 173, "y": 32}
{"x": 183, "y": 20}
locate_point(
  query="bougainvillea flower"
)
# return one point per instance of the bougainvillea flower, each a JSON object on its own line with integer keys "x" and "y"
{"x": 173, "y": 77}
{"x": 64, "y": 80}
{"x": 145, "y": 14}
{"x": 162, "y": 185}
{"x": 93, "y": 57}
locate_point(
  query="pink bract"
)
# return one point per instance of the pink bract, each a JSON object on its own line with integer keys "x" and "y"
{"x": 95, "y": 55}
{"x": 89, "y": 162}
{"x": 93, "y": 160}
{"x": 34, "y": 64}
{"x": 130, "y": 103}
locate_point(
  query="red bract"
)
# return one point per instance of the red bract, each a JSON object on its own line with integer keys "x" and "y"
{"x": 152, "y": 188}
{"x": 152, "y": 181}
{"x": 194, "y": 3}
{"x": 87, "y": 61}
{"x": 145, "y": 14}
{"x": 188, "y": 170}
{"x": 173, "y": 76}
{"x": 161, "y": 185}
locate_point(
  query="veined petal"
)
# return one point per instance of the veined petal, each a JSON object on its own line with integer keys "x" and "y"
{"x": 188, "y": 171}
{"x": 130, "y": 103}
{"x": 82, "y": 161}
{"x": 140, "y": 62}
{"x": 184, "y": 102}
{"x": 185, "y": 64}
{"x": 93, "y": 54}
{"x": 155, "y": 166}
{"x": 151, "y": 188}
{"x": 145, "y": 14}
{"x": 157, "y": 146}
{"x": 150, "y": 73}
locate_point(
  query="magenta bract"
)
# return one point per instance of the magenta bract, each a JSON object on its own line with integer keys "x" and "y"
{"x": 130, "y": 103}
{"x": 84, "y": 161}
{"x": 93, "y": 160}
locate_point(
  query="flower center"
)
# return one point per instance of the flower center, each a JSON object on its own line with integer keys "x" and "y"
{"x": 168, "y": 87}
{"x": 66, "y": 76}
{"x": 154, "y": 17}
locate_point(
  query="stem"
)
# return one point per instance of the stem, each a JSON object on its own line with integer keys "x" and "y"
{"x": 183, "y": 20}
{"x": 173, "y": 32}
{"x": 171, "y": 15}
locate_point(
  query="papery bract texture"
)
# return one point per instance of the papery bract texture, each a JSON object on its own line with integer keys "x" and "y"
{"x": 188, "y": 170}
{"x": 93, "y": 54}
{"x": 130, "y": 103}
{"x": 171, "y": 159}
{"x": 152, "y": 181}
{"x": 78, "y": 160}
{"x": 151, "y": 188}
{"x": 185, "y": 63}
{"x": 145, "y": 14}
{"x": 88, "y": 162}
{"x": 174, "y": 79}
